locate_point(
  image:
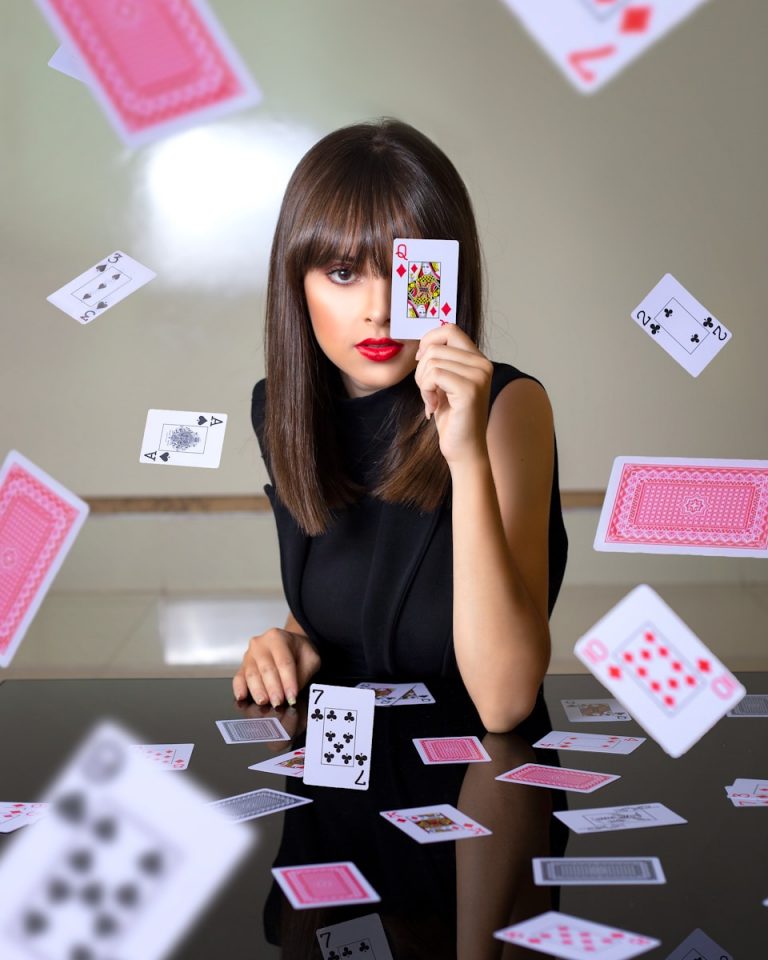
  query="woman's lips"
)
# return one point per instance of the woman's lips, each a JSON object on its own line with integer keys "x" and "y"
{"x": 379, "y": 350}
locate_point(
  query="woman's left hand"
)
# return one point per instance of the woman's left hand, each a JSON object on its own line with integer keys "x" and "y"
{"x": 455, "y": 382}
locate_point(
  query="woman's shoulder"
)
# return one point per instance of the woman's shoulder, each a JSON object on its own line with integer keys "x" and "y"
{"x": 505, "y": 373}
{"x": 258, "y": 401}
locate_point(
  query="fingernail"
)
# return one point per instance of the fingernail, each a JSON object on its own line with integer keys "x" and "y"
{"x": 275, "y": 703}
{"x": 291, "y": 701}
{"x": 261, "y": 701}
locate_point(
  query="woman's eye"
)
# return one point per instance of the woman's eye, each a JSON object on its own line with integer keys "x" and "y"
{"x": 341, "y": 275}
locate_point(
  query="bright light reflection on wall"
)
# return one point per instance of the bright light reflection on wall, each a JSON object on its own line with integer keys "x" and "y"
{"x": 212, "y": 197}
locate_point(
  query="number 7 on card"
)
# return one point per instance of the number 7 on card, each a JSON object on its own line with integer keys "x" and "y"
{"x": 339, "y": 736}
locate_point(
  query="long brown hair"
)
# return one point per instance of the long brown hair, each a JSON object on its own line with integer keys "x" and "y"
{"x": 350, "y": 196}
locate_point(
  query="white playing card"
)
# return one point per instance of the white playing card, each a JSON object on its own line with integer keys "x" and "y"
{"x": 571, "y": 938}
{"x": 605, "y": 819}
{"x": 593, "y": 40}
{"x": 19, "y": 814}
{"x": 123, "y": 864}
{"x": 698, "y": 946}
{"x": 753, "y": 705}
{"x": 252, "y": 730}
{"x": 166, "y": 756}
{"x": 101, "y": 286}
{"x": 596, "y": 871}
{"x": 288, "y": 764}
{"x": 659, "y": 670}
{"x": 386, "y": 693}
{"x": 594, "y": 711}
{"x": 676, "y": 320}
{"x": 589, "y": 742}
{"x": 363, "y": 935}
{"x": 418, "y": 693}
{"x": 424, "y": 283}
{"x": 257, "y": 803}
{"x": 183, "y": 438}
{"x": 436, "y": 823}
{"x": 67, "y": 61}
{"x": 339, "y": 737}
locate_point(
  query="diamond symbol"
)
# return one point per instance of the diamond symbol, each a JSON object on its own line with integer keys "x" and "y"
{"x": 635, "y": 20}
{"x": 400, "y": 270}
{"x": 446, "y": 309}
{"x": 433, "y": 311}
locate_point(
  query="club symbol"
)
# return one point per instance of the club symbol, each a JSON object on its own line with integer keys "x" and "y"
{"x": 361, "y": 758}
{"x": 667, "y": 311}
{"x": 331, "y": 714}
{"x": 349, "y": 717}
{"x": 348, "y": 737}
{"x": 695, "y": 338}
{"x": 328, "y": 757}
{"x": 364, "y": 947}
{"x": 709, "y": 322}
{"x": 338, "y": 747}
{"x": 655, "y": 328}
{"x": 316, "y": 715}
{"x": 330, "y": 735}
{"x": 35, "y": 922}
{"x": 346, "y": 757}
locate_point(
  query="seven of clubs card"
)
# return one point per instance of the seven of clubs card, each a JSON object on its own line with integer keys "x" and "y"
{"x": 362, "y": 936}
{"x": 659, "y": 670}
{"x": 681, "y": 325}
{"x": 424, "y": 281}
{"x": 101, "y": 287}
{"x": 183, "y": 438}
{"x": 339, "y": 736}
{"x": 593, "y": 40}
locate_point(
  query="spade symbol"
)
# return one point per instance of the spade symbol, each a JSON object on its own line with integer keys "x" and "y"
{"x": 86, "y": 296}
{"x": 201, "y": 420}
{"x": 115, "y": 276}
{"x": 101, "y": 267}
{"x": 101, "y": 286}
{"x": 165, "y": 457}
{"x": 100, "y": 305}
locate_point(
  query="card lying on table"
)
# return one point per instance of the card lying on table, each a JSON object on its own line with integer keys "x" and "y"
{"x": 363, "y": 935}
{"x": 605, "y": 819}
{"x": 753, "y": 705}
{"x": 183, "y": 438}
{"x": 594, "y": 871}
{"x": 324, "y": 885}
{"x": 698, "y": 946}
{"x": 288, "y": 764}
{"x": 39, "y": 521}
{"x": 253, "y": 730}
{"x": 123, "y": 864}
{"x": 339, "y": 737}
{"x": 659, "y": 670}
{"x": 418, "y": 693}
{"x": 15, "y": 815}
{"x": 257, "y": 803}
{"x": 424, "y": 283}
{"x": 589, "y": 742}
{"x": 435, "y": 824}
{"x": 100, "y": 287}
{"x": 451, "y": 750}
{"x": 154, "y": 67}
{"x": 166, "y": 756}
{"x": 681, "y": 325}
{"x": 386, "y": 694}
{"x": 708, "y": 508}
{"x": 594, "y": 711}
{"x": 748, "y": 793}
{"x": 561, "y": 778}
{"x": 571, "y": 938}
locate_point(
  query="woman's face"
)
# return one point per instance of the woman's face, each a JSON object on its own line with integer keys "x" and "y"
{"x": 350, "y": 318}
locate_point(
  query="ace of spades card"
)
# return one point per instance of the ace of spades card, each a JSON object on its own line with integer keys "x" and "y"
{"x": 424, "y": 284}
{"x": 183, "y": 438}
{"x": 339, "y": 737}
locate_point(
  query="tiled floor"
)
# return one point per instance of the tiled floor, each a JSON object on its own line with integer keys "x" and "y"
{"x": 148, "y": 634}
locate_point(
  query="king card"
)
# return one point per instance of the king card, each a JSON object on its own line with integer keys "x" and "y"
{"x": 324, "y": 885}
{"x": 100, "y": 287}
{"x": 339, "y": 737}
{"x": 288, "y": 764}
{"x": 424, "y": 283}
{"x": 435, "y": 824}
{"x": 676, "y": 320}
{"x": 571, "y": 938}
{"x": 594, "y": 711}
{"x": 39, "y": 521}
{"x": 154, "y": 67}
{"x": 593, "y": 40}
{"x": 123, "y": 864}
{"x": 708, "y": 508}
{"x": 657, "y": 667}
{"x": 386, "y": 694}
{"x": 183, "y": 438}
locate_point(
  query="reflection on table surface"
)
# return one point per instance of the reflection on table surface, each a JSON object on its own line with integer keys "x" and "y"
{"x": 438, "y": 900}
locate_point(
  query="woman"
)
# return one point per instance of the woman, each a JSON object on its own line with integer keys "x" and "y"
{"x": 414, "y": 483}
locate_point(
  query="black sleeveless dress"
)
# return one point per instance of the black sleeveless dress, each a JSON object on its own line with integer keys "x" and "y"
{"x": 375, "y": 592}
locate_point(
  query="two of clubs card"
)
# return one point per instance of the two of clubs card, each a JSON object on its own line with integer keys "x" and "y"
{"x": 659, "y": 670}
{"x": 424, "y": 284}
{"x": 339, "y": 736}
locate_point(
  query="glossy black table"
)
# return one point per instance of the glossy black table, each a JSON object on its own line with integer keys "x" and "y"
{"x": 441, "y": 900}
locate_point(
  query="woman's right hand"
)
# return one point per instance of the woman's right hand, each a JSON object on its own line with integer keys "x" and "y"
{"x": 276, "y": 665}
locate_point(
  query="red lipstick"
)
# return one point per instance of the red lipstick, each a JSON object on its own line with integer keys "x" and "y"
{"x": 379, "y": 350}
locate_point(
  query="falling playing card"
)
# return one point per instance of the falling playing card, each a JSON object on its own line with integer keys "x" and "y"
{"x": 571, "y": 938}
{"x": 681, "y": 325}
{"x": 451, "y": 750}
{"x": 339, "y": 737}
{"x": 605, "y": 819}
{"x": 753, "y": 705}
{"x": 166, "y": 756}
{"x": 698, "y": 946}
{"x": 435, "y": 824}
{"x": 253, "y": 730}
{"x": 258, "y": 803}
{"x": 424, "y": 283}
{"x": 101, "y": 287}
{"x": 288, "y": 764}
{"x": 589, "y": 742}
{"x": 39, "y": 521}
{"x": 15, "y": 815}
{"x": 155, "y": 67}
{"x": 594, "y": 711}
{"x": 596, "y": 871}
{"x": 659, "y": 670}
{"x": 561, "y": 778}
{"x": 593, "y": 40}
{"x": 363, "y": 935}
{"x": 123, "y": 864}
{"x": 66, "y": 61}
{"x": 183, "y": 438}
{"x": 324, "y": 885}
{"x": 713, "y": 508}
